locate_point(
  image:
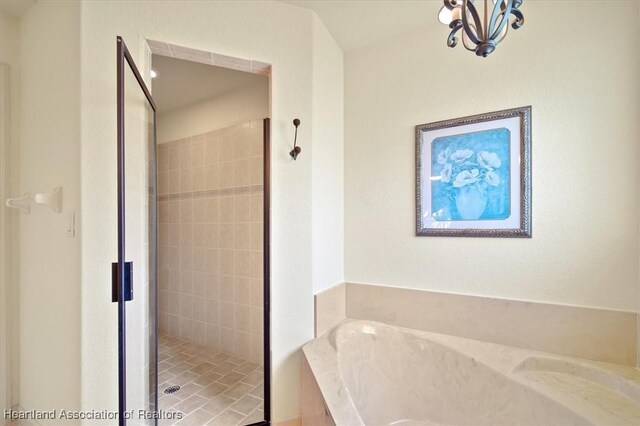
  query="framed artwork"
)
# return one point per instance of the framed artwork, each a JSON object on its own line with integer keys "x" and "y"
{"x": 473, "y": 176}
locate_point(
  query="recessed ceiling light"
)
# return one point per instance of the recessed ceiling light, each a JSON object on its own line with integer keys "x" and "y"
{"x": 154, "y": 74}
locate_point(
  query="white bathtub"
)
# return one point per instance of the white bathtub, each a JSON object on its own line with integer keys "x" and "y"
{"x": 370, "y": 373}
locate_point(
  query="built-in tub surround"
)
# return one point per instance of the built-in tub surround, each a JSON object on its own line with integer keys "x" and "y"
{"x": 329, "y": 308}
{"x": 211, "y": 240}
{"x": 375, "y": 374}
{"x": 596, "y": 334}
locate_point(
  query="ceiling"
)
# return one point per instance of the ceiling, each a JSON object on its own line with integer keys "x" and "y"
{"x": 180, "y": 83}
{"x": 357, "y": 23}
{"x": 15, "y": 7}
{"x": 352, "y": 23}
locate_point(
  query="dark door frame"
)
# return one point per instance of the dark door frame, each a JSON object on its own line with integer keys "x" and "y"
{"x": 266, "y": 292}
{"x": 121, "y": 282}
{"x": 266, "y": 273}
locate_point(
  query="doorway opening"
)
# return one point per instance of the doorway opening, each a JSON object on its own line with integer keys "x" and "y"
{"x": 213, "y": 239}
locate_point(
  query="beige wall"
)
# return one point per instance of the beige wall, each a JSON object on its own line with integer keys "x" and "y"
{"x": 239, "y": 106}
{"x": 583, "y": 87}
{"x": 5, "y": 292}
{"x": 210, "y": 238}
{"x": 328, "y": 160}
{"x": 9, "y": 238}
{"x": 220, "y": 27}
{"x": 50, "y": 156}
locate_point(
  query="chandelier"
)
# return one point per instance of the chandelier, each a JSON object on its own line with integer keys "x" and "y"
{"x": 482, "y": 27}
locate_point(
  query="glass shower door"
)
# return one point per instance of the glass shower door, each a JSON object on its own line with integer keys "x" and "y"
{"x": 135, "y": 277}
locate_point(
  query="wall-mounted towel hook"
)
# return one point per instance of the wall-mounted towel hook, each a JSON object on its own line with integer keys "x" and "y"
{"x": 21, "y": 203}
{"x": 296, "y": 149}
{"x": 52, "y": 199}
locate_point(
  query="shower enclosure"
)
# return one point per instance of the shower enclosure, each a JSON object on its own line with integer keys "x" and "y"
{"x": 211, "y": 140}
{"x": 137, "y": 245}
{"x": 239, "y": 370}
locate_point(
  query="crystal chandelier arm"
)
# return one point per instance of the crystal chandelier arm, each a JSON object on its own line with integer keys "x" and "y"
{"x": 467, "y": 6}
{"x": 505, "y": 18}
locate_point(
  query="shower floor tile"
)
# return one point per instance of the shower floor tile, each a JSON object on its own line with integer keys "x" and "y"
{"x": 215, "y": 388}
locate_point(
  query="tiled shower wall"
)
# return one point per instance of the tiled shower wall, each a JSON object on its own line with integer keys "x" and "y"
{"x": 210, "y": 239}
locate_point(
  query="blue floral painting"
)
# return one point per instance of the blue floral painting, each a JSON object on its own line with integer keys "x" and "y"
{"x": 470, "y": 176}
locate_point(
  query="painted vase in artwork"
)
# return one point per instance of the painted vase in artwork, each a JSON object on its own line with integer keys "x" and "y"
{"x": 471, "y": 202}
{"x": 470, "y": 179}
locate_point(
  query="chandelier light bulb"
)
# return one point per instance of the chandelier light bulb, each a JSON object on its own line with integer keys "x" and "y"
{"x": 445, "y": 16}
{"x": 456, "y": 13}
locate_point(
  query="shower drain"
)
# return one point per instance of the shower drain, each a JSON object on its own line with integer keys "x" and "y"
{"x": 172, "y": 389}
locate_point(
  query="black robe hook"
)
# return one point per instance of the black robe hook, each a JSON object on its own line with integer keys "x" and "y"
{"x": 296, "y": 149}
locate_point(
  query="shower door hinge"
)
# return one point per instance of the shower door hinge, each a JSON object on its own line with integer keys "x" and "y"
{"x": 128, "y": 277}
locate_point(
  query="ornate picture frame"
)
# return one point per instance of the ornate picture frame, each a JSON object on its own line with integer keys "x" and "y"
{"x": 473, "y": 176}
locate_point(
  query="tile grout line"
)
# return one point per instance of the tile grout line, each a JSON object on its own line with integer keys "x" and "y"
{"x": 213, "y": 193}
